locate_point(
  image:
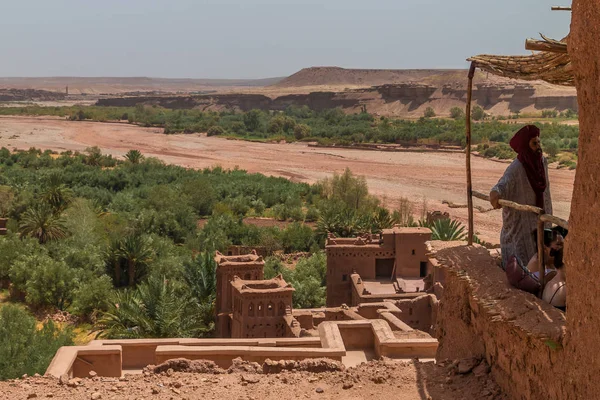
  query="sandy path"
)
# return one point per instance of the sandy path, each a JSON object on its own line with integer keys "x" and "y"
{"x": 431, "y": 176}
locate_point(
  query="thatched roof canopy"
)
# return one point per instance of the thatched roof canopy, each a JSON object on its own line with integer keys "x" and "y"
{"x": 550, "y": 66}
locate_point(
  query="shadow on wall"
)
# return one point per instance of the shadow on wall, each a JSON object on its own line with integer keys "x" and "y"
{"x": 481, "y": 316}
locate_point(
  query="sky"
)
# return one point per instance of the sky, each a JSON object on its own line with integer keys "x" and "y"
{"x": 261, "y": 38}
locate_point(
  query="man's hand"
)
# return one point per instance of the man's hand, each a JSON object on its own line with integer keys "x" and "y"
{"x": 495, "y": 199}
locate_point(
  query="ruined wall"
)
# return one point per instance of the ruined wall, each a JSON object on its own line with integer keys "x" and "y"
{"x": 418, "y": 313}
{"x": 582, "y": 257}
{"x": 481, "y": 315}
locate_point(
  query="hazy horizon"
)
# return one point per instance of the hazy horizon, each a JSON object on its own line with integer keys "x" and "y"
{"x": 260, "y": 39}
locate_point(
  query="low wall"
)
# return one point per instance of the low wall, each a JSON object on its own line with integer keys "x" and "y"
{"x": 360, "y": 337}
{"x": 112, "y": 357}
{"x": 223, "y": 355}
{"x": 480, "y": 315}
{"x": 78, "y": 361}
{"x": 419, "y": 313}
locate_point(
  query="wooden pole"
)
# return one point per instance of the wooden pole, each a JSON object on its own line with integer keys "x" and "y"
{"x": 468, "y": 152}
{"x": 540, "y": 45}
{"x": 520, "y": 207}
{"x": 555, "y": 220}
{"x": 560, "y": 8}
{"x": 541, "y": 263}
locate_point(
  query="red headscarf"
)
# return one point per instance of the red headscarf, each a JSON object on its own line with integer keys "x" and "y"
{"x": 531, "y": 160}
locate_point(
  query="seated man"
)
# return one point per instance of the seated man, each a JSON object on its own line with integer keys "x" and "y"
{"x": 555, "y": 291}
{"x": 553, "y": 243}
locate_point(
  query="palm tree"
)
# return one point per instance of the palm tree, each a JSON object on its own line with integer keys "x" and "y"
{"x": 447, "y": 229}
{"x": 42, "y": 223}
{"x": 57, "y": 194}
{"x": 134, "y": 156}
{"x": 382, "y": 219}
{"x": 200, "y": 274}
{"x": 136, "y": 252}
{"x": 94, "y": 157}
{"x": 157, "y": 308}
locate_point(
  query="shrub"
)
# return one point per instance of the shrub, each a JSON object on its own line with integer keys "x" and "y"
{"x": 46, "y": 282}
{"x": 273, "y": 267}
{"x": 551, "y": 148}
{"x": 12, "y": 248}
{"x": 297, "y": 237}
{"x": 457, "y": 113}
{"x": 500, "y": 150}
{"x": 309, "y": 281}
{"x": 92, "y": 295}
{"x": 215, "y": 130}
{"x": 301, "y": 131}
{"x": 253, "y": 120}
{"x": 23, "y": 348}
{"x": 477, "y": 113}
{"x": 429, "y": 112}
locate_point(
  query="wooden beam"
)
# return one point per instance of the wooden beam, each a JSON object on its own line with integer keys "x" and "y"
{"x": 468, "y": 154}
{"x": 561, "y": 8}
{"x": 555, "y": 220}
{"x": 481, "y": 196}
{"x": 541, "y": 45}
{"x": 540, "y": 255}
{"x": 511, "y": 204}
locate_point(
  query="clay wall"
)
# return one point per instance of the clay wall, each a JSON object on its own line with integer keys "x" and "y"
{"x": 402, "y": 253}
{"x": 342, "y": 261}
{"x": 259, "y": 308}
{"x": 105, "y": 356}
{"x": 136, "y": 354}
{"x": 581, "y": 246}
{"x": 223, "y": 356}
{"x": 418, "y": 313}
{"x": 411, "y": 252}
{"x": 357, "y": 337}
{"x": 248, "y": 267}
{"x": 78, "y": 361}
{"x": 482, "y": 316}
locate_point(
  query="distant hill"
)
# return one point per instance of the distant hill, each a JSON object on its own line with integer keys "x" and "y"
{"x": 115, "y": 85}
{"x": 336, "y": 76}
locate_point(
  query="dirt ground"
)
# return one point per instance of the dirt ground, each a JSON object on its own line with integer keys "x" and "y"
{"x": 421, "y": 177}
{"x": 410, "y": 380}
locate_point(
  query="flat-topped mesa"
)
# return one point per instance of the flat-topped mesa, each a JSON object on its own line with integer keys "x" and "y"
{"x": 249, "y": 267}
{"x": 390, "y": 265}
{"x": 259, "y": 307}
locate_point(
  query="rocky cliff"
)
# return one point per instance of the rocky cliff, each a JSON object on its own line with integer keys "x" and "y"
{"x": 399, "y": 100}
{"x": 29, "y": 95}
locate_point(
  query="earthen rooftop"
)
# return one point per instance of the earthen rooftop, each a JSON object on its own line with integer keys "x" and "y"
{"x": 277, "y": 284}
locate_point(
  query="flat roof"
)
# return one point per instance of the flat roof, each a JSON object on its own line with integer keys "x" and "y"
{"x": 277, "y": 284}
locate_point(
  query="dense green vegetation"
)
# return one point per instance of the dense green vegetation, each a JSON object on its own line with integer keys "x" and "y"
{"x": 118, "y": 244}
{"x": 327, "y": 127}
{"x": 24, "y": 349}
